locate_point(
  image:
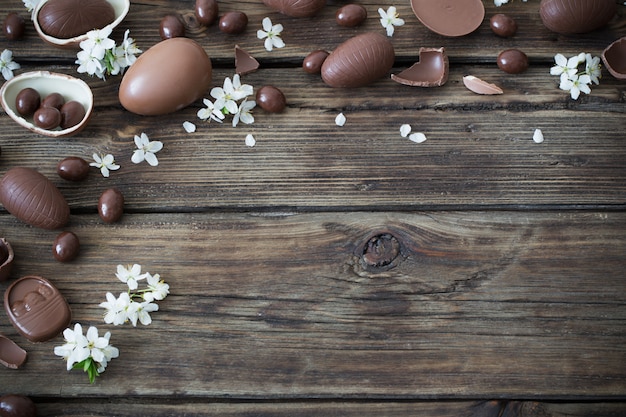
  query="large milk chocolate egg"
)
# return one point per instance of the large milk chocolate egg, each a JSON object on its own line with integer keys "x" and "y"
{"x": 576, "y": 16}
{"x": 359, "y": 61}
{"x": 33, "y": 198}
{"x": 167, "y": 77}
{"x": 296, "y": 8}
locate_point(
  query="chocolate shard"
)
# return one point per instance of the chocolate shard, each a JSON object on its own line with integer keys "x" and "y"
{"x": 6, "y": 259}
{"x": 430, "y": 71}
{"x": 479, "y": 86}
{"x": 11, "y": 355}
{"x": 244, "y": 62}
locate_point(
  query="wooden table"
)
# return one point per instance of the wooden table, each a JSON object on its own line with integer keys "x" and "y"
{"x": 345, "y": 270}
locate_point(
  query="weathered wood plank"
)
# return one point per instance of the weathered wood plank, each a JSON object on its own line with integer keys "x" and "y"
{"x": 474, "y": 305}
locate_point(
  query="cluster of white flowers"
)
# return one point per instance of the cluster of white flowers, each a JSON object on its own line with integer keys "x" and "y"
{"x": 271, "y": 34}
{"x": 231, "y": 99}
{"x": 501, "y": 2}
{"x": 390, "y": 19}
{"x": 574, "y": 80}
{"x": 7, "y": 65}
{"x": 89, "y": 352}
{"x": 100, "y": 56}
{"x": 135, "y": 304}
{"x": 146, "y": 150}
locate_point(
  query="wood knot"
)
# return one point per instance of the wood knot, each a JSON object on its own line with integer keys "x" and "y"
{"x": 380, "y": 250}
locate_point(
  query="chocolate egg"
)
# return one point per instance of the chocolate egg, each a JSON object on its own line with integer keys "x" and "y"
{"x": 206, "y": 11}
{"x": 351, "y": 15}
{"x": 13, "y": 405}
{"x": 296, "y": 8}
{"x": 503, "y": 25}
{"x": 167, "y": 77}
{"x": 73, "y": 168}
{"x": 576, "y": 16}
{"x": 512, "y": 61}
{"x": 271, "y": 99}
{"x": 111, "y": 205}
{"x": 359, "y": 61}
{"x": 69, "y": 18}
{"x": 171, "y": 26}
{"x": 233, "y": 23}
{"x": 14, "y": 26}
{"x": 65, "y": 247}
{"x": 33, "y": 198}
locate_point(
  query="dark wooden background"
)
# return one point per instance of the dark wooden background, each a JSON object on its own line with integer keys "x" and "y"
{"x": 506, "y": 295}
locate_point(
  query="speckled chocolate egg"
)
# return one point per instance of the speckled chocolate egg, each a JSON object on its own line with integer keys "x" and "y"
{"x": 351, "y": 15}
{"x": 359, "y": 61}
{"x": 296, "y": 8}
{"x": 312, "y": 63}
{"x": 66, "y": 247}
{"x": 233, "y": 23}
{"x": 14, "y": 26}
{"x": 171, "y": 26}
{"x": 167, "y": 77}
{"x": 512, "y": 61}
{"x": 206, "y": 11}
{"x": 271, "y": 99}
{"x": 111, "y": 205}
{"x": 27, "y": 101}
{"x": 14, "y": 405}
{"x": 576, "y": 16}
{"x": 73, "y": 168}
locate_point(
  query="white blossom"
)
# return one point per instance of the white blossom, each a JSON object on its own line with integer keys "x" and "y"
{"x": 390, "y": 19}
{"x": 271, "y": 34}
{"x": 7, "y": 65}
{"x": 210, "y": 112}
{"x": 146, "y": 150}
{"x": 243, "y": 113}
{"x": 105, "y": 163}
{"x": 575, "y": 85}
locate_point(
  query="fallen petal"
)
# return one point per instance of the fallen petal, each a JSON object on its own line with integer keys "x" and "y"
{"x": 538, "y": 136}
{"x": 479, "y": 86}
{"x": 417, "y": 137}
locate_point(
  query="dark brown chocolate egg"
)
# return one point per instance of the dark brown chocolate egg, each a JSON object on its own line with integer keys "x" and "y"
{"x": 313, "y": 62}
{"x": 206, "y": 11}
{"x": 47, "y": 118}
{"x": 576, "y": 16}
{"x": 233, "y": 23}
{"x": 111, "y": 205}
{"x": 351, "y": 15}
{"x": 13, "y": 405}
{"x": 55, "y": 100}
{"x": 65, "y": 247}
{"x": 14, "y": 26}
{"x": 73, "y": 168}
{"x": 66, "y": 19}
{"x": 503, "y": 25}
{"x": 72, "y": 113}
{"x": 33, "y": 198}
{"x": 296, "y": 8}
{"x": 512, "y": 61}
{"x": 172, "y": 26}
{"x": 27, "y": 101}
{"x": 271, "y": 99}
{"x": 359, "y": 61}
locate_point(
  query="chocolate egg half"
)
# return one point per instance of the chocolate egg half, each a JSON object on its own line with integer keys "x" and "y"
{"x": 167, "y": 77}
{"x": 576, "y": 16}
{"x": 359, "y": 61}
{"x": 296, "y": 8}
{"x": 33, "y": 198}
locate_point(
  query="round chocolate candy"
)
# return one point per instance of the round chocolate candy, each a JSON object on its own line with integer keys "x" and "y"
{"x": 47, "y": 117}
{"x": 351, "y": 15}
{"x": 503, "y": 25}
{"x": 73, "y": 168}
{"x": 512, "y": 61}
{"x": 313, "y": 62}
{"x": 27, "y": 101}
{"x": 233, "y": 23}
{"x": 206, "y": 11}
{"x": 14, "y": 405}
{"x": 111, "y": 205}
{"x": 55, "y": 100}
{"x": 65, "y": 247}
{"x": 172, "y": 26}
{"x": 14, "y": 26}
{"x": 72, "y": 113}
{"x": 271, "y": 99}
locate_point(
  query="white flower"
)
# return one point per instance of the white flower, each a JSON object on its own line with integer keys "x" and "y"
{"x": 7, "y": 65}
{"x": 106, "y": 163}
{"x": 575, "y": 84}
{"x": 96, "y": 344}
{"x": 75, "y": 348}
{"x": 538, "y": 136}
{"x": 158, "y": 289}
{"x": 126, "y": 53}
{"x": 210, "y": 112}
{"x": 225, "y": 97}
{"x": 271, "y": 34}
{"x": 146, "y": 151}
{"x": 500, "y": 2}
{"x": 243, "y": 113}
{"x": 417, "y": 137}
{"x": 30, "y": 4}
{"x": 250, "y": 140}
{"x": 241, "y": 91}
{"x": 116, "y": 308}
{"x": 340, "y": 120}
{"x": 405, "y": 130}
{"x": 98, "y": 42}
{"x": 130, "y": 275}
{"x": 593, "y": 68}
{"x": 141, "y": 312}
{"x": 89, "y": 64}
{"x": 565, "y": 66}
{"x": 390, "y": 19}
{"x": 189, "y": 127}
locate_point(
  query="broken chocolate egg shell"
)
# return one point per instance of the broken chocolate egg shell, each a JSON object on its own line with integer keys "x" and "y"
{"x": 46, "y": 83}
{"x": 11, "y": 355}
{"x": 576, "y": 16}
{"x": 430, "y": 71}
{"x": 449, "y": 17}
{"x": 120, "y": 7}
{"x": 614, "y": 58}
{"x": 6, "y": 259}
{"x": 479, "y": 86}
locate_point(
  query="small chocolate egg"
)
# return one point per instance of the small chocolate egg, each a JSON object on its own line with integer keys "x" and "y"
{"x": 27, "y": 101}
{"x": 512, "y": 61}
{"x": 73, "y": 168}
{"x": 65, "y": 19}
{"x": 576, "y": 16}
{"x": 167, "y": 77}
{"x": 233, "y": 23}
{"x": 206, "y": 11}
{"x": 55, "y": 100}
{"x": 14, "y": 26}
{"x": 312, "y": 63}
{"x": 72, "y": 113}
{"x": 171, "y": 26}
{"x": 296, "y": 8}
{"x": 351, "y": 15}
{"x": 271, "y": 99}
{"x": 14, "y": 405}
{"x": 47, "y": 118}
{"x": 503, "y": 25}
{"x": 111, "y": 205}
{"x": 65, "y": 247}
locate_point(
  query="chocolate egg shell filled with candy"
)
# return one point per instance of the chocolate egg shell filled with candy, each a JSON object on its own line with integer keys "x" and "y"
{"x": 576, "y": 16}
{"x": 296, "y": 8}
{"x": 359, "y": 61}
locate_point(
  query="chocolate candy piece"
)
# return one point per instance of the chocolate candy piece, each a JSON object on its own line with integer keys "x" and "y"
{"x": 64, "y": 19}
{"x": 33, "y": 198}
{"x": 13, "y": 405}
{"x": 6, "y": 259}
{"x": 14, "y": 26}
{"x": 512, "y": 61}
{"x": 47, "y": 118}
{"x": 244, "y": 62}
{"x": 65, "y": 247}
{"x": 72, "y": 113}
{"x": 614, "y": 57}
{"x": 55, "y": 100}
{"x": 27, "y": 101}
{"x": 351, "y": 15}
{"x": 575, "y": 16}
{"x": 36, "y": 308}
{"x": 111, "y": 205}
{"x": 430, "y": 71}
{"x": 359, "y": 61}
{"x": 73, "y": 168}
{"x": 296, "y": 8}
{"x": 233, "y": 23}
{"x": 11, "y": 355}
{"x": 503, "y": 25}
{"x": 271, "y": 99}
{"x": 206, "y": 11}
{"x": 171, "y": 27}
{"x": 313, "y": 62}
